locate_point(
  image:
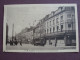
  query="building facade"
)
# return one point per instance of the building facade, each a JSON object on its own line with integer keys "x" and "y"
{"x": 61, "y": 23}
{"x": 58, "y": 27}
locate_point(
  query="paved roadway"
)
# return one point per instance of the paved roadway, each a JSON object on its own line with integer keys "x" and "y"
{"x": 32, "y": 47}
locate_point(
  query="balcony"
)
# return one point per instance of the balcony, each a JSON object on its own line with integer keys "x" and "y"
{"x": 61, "y": 33}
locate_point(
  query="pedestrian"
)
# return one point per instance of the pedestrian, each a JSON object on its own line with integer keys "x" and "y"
{"x": 21, "y": 42}
{"x": 55, "y": 42}
{"x": 10, "y": 42}
{"x": 16, "y": 42}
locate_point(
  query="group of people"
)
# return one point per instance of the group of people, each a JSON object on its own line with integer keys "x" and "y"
{"x": 15, "y": 42}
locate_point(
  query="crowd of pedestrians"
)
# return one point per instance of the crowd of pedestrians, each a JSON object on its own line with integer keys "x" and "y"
{"x": 12, "y": 43}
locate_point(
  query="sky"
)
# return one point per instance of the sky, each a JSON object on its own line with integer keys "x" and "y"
{"x": 23, "y": 16}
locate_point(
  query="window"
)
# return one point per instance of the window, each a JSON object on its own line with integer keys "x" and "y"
{"x": 47, "y": 30}
{"x": 53, "y": 22}
{"x": 50, "y": 30}
{"x": 73, "y": 16}
{"x": 50, "y": 23}
{"x": 47, "y": 24}
{"x": 69, "y": 15}
{"x": 53, "y": 29}
{"x": 61, "y": 28}
{"x": 57, "y": 20}
{"x": 69, "y": 25}
{"x": 61, "y": 18}
{"x": 61, "y": 8}
{"x": 57, "y": 28}
{"x": 72, "y": 8}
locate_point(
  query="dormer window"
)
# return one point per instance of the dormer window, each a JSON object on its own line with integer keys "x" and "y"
{"x": 61, "y": 8}
{"x": 67, "y": 8}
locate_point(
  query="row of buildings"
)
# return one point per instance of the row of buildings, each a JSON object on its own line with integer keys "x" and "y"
{"x": 58, "y": 27}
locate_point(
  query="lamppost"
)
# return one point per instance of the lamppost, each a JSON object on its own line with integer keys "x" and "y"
{"x": 40, "y": 29}
{"x": 6, "y": 33}
{"x": 33, "y": 31}
{"x": 12, "y": 31}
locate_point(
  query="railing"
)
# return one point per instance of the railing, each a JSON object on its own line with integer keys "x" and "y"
{"x": 61, "y": 32}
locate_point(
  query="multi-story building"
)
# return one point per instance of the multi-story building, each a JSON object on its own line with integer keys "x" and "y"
{"x": 59, "y": 26}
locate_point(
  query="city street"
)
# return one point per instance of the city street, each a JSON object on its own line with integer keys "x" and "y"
{"x": 32, "y": 47}
{"x": 48, "y": 30}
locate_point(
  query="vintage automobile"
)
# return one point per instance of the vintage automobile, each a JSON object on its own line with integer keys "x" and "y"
{"x": 39, "y": 41}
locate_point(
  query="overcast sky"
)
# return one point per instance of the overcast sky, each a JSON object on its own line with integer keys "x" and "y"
{"x": 24, "y": 15}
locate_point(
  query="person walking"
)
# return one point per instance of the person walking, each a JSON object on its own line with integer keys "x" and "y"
{"x": 21, "y": 42}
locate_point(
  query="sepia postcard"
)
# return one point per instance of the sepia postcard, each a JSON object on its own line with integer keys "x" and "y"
{"x": 40, "y": 28}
